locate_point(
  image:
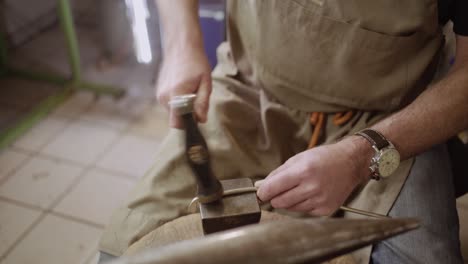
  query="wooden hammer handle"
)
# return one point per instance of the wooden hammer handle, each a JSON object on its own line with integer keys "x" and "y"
{"x": 209, "y": 188}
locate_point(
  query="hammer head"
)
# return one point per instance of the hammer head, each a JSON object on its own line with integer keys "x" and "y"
{"x": 231, "y": 211}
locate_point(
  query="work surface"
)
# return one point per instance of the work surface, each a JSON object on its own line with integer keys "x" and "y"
{"x": 276, "y": 239}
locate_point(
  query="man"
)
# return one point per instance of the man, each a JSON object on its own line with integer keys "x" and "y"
{"x": 352, "y": 65}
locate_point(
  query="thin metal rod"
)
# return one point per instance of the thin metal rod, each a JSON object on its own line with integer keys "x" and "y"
{"x": 66, "y": 20}
{"x": 364, "y": 213}
{"x": 254, "y": 189}
{"x": 195, "y": 200}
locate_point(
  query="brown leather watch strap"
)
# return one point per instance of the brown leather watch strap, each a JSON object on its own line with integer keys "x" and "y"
{"x": 374, "y": 137}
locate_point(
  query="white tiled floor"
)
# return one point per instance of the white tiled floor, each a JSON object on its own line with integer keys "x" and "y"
{"x": 86, "y": 201}
{"x": 121, "y": 157}
{"x": 14, "y": 220}
{"x": 76, "y": 105}
{"x": 53, "y": 171}
{"x": 9, "y": 160}
{"x": 81, "y": 142}
{"x": 60, "y": 181}
{"x": 40, "y": 182}
{"x": 36, "y": 138}
{"x": 117, "y": 114}
{"x": 55, "y": 241}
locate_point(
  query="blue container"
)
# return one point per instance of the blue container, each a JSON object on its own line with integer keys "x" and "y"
{"x": 212, "y": 21}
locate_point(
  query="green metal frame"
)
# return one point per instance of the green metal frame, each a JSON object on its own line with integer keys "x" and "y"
{"x": 70, "y": 84}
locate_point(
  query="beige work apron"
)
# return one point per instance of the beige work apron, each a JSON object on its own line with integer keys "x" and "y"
{"x": 283, "y": 60}
{"x": 333, "y": 55}
{"x": 337, "y": 55}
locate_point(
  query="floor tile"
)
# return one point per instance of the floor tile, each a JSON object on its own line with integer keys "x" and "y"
{"x": 115, "y": 113}
{"x": 14, "y": 220}
{"x": 55, "y": 241}
{"x": 81, "y": 142}
{"x": 463, "y": 216}
{"x": 41, "y": 134}
{"x": 75, "y": 105}
{"x": 153, "y": 123}
{"x": 10, "y": 160}
{"x": 131, "y": 155}
{"x": 39, "y": 182}
{"x": 95, "y": 197}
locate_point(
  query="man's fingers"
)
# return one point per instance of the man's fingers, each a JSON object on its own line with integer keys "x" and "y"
{"x": 273, "y": 186}
{"x": 202, "y": 88}
{"x": 288, "y": 164}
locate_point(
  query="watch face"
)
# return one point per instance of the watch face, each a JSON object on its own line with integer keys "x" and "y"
{"x": 388, "y": 162}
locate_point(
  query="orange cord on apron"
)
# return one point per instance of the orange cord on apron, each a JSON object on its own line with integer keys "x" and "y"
{"x": 317, "y": 120}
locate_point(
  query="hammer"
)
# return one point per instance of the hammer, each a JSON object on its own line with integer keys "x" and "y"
{"x": 222, "y": 204}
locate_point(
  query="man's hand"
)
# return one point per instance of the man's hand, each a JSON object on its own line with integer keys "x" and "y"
{"x": 319, "y": 180}
{"x": 185, "y": 67}
{"x": 185, "y": 72}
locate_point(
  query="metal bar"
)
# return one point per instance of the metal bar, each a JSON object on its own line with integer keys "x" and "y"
{"x": 66, "y": 20}
{"x": 39, "y": 112}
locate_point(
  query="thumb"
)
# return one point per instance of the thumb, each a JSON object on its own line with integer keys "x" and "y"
{"x": 175, "y": 121}
{"x": 203, "y": 99}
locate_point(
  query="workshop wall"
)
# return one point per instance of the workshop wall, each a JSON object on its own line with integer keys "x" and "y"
{"x": 24, "y": 19}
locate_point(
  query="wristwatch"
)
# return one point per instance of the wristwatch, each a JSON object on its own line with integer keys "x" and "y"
{"x": 386, "y": 158}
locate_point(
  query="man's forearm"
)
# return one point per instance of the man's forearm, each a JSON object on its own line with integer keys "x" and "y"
{"x": 180, "y": 24}
{"x": 436, "y": 115}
